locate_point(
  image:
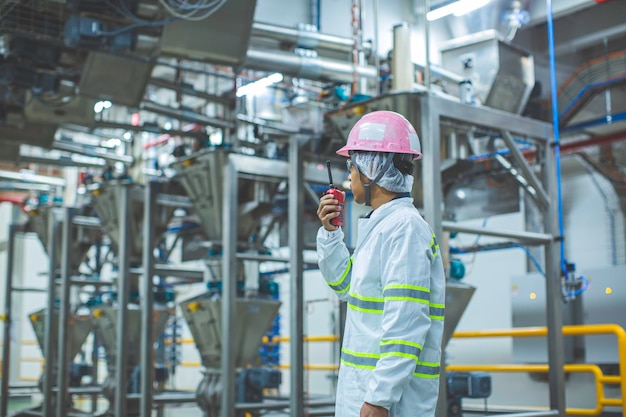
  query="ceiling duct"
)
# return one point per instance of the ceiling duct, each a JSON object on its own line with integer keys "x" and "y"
{"x": 125, "y": 85}
{"x": 221, "y": 39}
{"x": 32, "y": 134}
{"x": 502, "y": 75}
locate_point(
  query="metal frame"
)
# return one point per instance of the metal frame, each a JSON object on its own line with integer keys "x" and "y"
{"x": 432, "y": 109}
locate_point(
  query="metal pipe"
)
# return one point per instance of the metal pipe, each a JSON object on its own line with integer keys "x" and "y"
{"x": 64, "y": 145}
{"x": 123, "y": 284}
{"x": 375, "y": 45}
{"x": 33, "y": 178}
{"x": 53, "y": 230}
{"x": 306, "y": 39}
{"x": 229, "y": 243}
{"x": 304, "y": 67}
{"x": 185, "y": 115}
{"x": 63, "y": 352}
{"x": 524, "y": 237}
{"x": 529, "y": 175}
{"x": 188, "y": 90}
{"x": 427, "y": 44}
{"x": 147, "y": 302}
{"x": 296, "y": 267}
{"x": 61, "y": 160}
{"x": 6, "y": 319}
{"x": 147, "y": 128}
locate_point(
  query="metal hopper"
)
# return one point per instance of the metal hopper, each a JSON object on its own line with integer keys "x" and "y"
{"x": 106, "y": 201}
{"x": 81, "y": 238}
{"x": 80, "y": 326}
{"x": 202, "y": 176}
{"x": 105, "y": 326}
{"x": 458, "y": 297}
{"x": 204, "y": 316}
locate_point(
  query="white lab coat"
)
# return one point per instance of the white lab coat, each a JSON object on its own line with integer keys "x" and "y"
{"x": 395, "y": 288}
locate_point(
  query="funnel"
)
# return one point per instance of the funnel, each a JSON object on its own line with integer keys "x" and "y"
{"x": 105, "y": 326}
{"x": 202, "y": 176}
{"x": 254, "y": 317}
{"x": 79, "y": 328}
{"x": 458, "y": 297}
{"x": 106, "y": 201}
{"x": 81, "y": 238}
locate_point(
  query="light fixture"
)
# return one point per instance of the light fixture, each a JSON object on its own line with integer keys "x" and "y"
{"x": 260, "y": 84}
{"x": 101, "y": 105}
{"x": 457, "y": 8}
{"x": 608, "y": 290}
{"x": 532, "y": 296}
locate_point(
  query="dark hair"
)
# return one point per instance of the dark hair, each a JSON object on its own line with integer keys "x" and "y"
{"x": 402, "y": 162}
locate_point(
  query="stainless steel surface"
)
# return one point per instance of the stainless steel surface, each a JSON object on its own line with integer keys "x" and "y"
{"x": 32, "y": 178}
{"x": 302, "y": 38}
{"x": 502, "y": 75}
{"x": 80, "y": 324}
{"x": 323, "y": 69}
{"x": 530, "y": 238}
{"x": 69, "y": 146}
{"x": 205, "y": 318}
{"x": 458, "y": 296}
{"x": 542, "y": 196}
{"x": 7, "y": 320}
{"x": 124, "y": 86}
{"x": 81, "y": 240}
{"x": 78, "y": 110}
{"x": 106, "y": 199}
{"x": 122, "y": 336}
{"x": 231, "y": 24}
{"x": 228, "y": 304}
{"x": 64, "y": 351}
{"x": 554, "y": 297}
{"x": 201, "y": 176}
{"x": 105, "y": 324}
{"x": 147, "y": 304}
{"x": 296, "y": 270}
{"x": 185, "y": 115}
{"x": 49, "y": 344}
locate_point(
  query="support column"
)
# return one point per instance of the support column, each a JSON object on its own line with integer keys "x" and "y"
{"x": 6, "y": 319}
{"x": 296, "y": 267}
{"x": 229, "y": 286}
{"x": 123, "y": 288}
{"x": 63, "y": 350}
{"x": 147, "y": 303}
{"x": 53, "y": 231}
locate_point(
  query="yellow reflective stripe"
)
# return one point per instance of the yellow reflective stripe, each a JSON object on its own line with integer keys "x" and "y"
{"x": 425, "y": 376}
{"x": 406, "y": 287}
{"x": 360, "y": 354}
{"x": 360, "y": 297}
{"x": 364, "y": 310}
{"x": 411, "y": 299}
{"x": 401, "y": 342}
{"x": 436, "y": 317}
{"x": 400, "y": 354}
{"x": 354, "y": 365}
{"x": 437, "y": 305}
{"x": 434, "y": 246}
{"x": 339, "y": 286}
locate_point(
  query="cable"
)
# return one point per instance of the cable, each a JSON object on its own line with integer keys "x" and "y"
{"x": 186, "y": 11}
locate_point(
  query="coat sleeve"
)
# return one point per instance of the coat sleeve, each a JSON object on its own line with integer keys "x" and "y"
{"x": 406, "y": 258}
{"x": 334, "y": 261}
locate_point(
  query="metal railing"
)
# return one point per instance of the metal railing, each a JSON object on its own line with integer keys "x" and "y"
{"x": 580, "y": 330}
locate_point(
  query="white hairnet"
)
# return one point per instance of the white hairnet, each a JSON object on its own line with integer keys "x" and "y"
{"x": 370, "y": 164}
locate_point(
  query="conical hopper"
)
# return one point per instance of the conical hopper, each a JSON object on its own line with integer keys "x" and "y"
{"x": 81, "y": 239}
{"x": 204, "y": 318}
{"x": 105, "y": 326}
{"x": 458, "y": 297}
{"x": 79, "y": 328}
{"x": 106, "y": 201}
{"x": 202, "y": 176}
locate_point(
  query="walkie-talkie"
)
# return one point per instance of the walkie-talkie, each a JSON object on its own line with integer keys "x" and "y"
{"x": 337, "y": 195}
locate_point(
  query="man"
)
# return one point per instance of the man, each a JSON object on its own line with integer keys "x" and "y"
{"x": 394, "y": 282}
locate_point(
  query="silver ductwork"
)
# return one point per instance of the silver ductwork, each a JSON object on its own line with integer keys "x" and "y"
{"x": 322, "y": 69}
{"x": 302, "y": 38}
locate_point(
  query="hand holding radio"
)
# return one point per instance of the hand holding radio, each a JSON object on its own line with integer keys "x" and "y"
{"x": 330, "y": 210}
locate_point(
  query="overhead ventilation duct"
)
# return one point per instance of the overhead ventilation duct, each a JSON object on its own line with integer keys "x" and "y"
{"x": 321, "y": 69}
{"x": 502, "y": 75}
{"x": 221, "y": 39}
{"x": 32, "y": 134}
{"x": 302, "y": 38}
{"x": 119, "y": 79}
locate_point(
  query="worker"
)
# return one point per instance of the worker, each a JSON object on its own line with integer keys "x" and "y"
{"x": 394, "y": 281}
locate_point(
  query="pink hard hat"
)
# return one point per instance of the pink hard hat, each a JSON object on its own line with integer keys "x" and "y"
{"x": 383, "y": 131}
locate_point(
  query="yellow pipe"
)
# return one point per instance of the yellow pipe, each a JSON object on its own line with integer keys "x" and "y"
{"x": 594, "y": 369}
{"x": 611, "y": 379}
{"x": 586, "y": 329}
{"x": 613, "y": 401}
